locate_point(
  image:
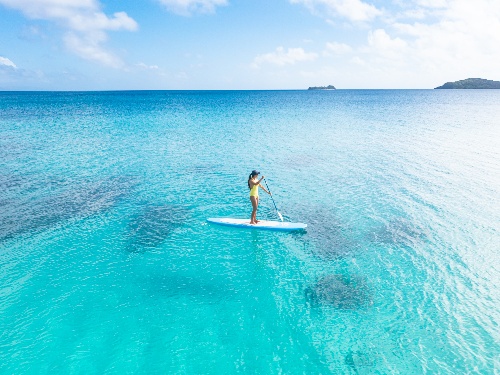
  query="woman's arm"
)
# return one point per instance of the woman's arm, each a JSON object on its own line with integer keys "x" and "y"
{"x": 263, "y": 188}
{"x": 256, "y": 183}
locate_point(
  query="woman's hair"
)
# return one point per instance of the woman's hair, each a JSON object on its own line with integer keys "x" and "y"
{"x": 254, "y": 173}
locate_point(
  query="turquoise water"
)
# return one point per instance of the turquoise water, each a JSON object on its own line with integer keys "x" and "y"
{"x": 108, "y": 266}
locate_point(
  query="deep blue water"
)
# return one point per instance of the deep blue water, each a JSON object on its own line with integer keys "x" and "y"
{"x": 108, "y": 266}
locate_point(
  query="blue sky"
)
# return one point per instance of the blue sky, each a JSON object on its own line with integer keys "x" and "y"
{"x": 245, "y": 44}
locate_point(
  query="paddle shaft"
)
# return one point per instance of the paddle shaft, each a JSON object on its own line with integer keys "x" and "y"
{"x": 269, "y": 190}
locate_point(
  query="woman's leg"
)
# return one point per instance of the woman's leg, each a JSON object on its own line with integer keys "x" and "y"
{"x": 255, "y": 204}
{"x": 255, "y": 217}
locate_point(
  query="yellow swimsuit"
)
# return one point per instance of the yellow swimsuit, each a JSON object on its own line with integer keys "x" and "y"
{"x": 254, "y": 192}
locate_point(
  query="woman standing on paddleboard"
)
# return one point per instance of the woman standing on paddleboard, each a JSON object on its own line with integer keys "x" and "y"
{"x": 253, "y": 185}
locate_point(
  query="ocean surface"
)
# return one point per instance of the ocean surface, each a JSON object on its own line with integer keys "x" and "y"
{"x": 107, "y": 265}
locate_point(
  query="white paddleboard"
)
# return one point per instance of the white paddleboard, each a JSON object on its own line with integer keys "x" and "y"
{"x": 262, "y": 224}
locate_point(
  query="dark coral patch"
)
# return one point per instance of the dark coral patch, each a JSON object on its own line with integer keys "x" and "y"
{"x": 328, "y": 236}
{"x": 153, "y": 225}
{"x": 40, "y": 203}
{"x": 340, "y": 291}
{"x": 398, "y": 231}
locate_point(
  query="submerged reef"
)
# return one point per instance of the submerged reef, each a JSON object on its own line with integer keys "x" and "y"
{"x": 37, "y": 203}
{"x": 328, "y": 236}
{"x": 340, "y": 291}
{"x": 153, "y": 225}
{"x": 398, "y": 231}
{"x": 357, "y": 360}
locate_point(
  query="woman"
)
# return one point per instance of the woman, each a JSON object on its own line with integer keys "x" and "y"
{"x": 254, "y": 185}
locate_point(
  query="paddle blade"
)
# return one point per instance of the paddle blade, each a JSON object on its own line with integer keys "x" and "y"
{"x": 279, "y": 214}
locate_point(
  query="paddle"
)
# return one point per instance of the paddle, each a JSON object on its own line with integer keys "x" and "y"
{"x": 269, "y": 190}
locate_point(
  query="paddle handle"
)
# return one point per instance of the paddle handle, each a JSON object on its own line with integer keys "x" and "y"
{"x": 269, "y": 190}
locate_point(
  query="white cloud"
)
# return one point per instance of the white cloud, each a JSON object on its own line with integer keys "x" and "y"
{"x": 434, "y": 3}
{"x": 188, "y": 7}
{"x": 353, "y": 10}
{"x": 99, "y": 21}
{"x": 147, "y": 67}
{"x": 281, "y": 57}
{"x": 336, "y": 48}
{"x": 4, "y": 61}
{"x": 463, "y": 41}
{"x": 89, "y": 47}
{"x": 381, "y": 41}
{"x": 416, "y": 14}
{"x": 13, "y": 77}
{"x": 446, "y": 40}
{"x": 358, "y": 61}
{"x": 84, "y": 22}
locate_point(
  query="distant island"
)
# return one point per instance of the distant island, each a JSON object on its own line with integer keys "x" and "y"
{"x": 471, "y": 83}
{"x": 329, "y": 87}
